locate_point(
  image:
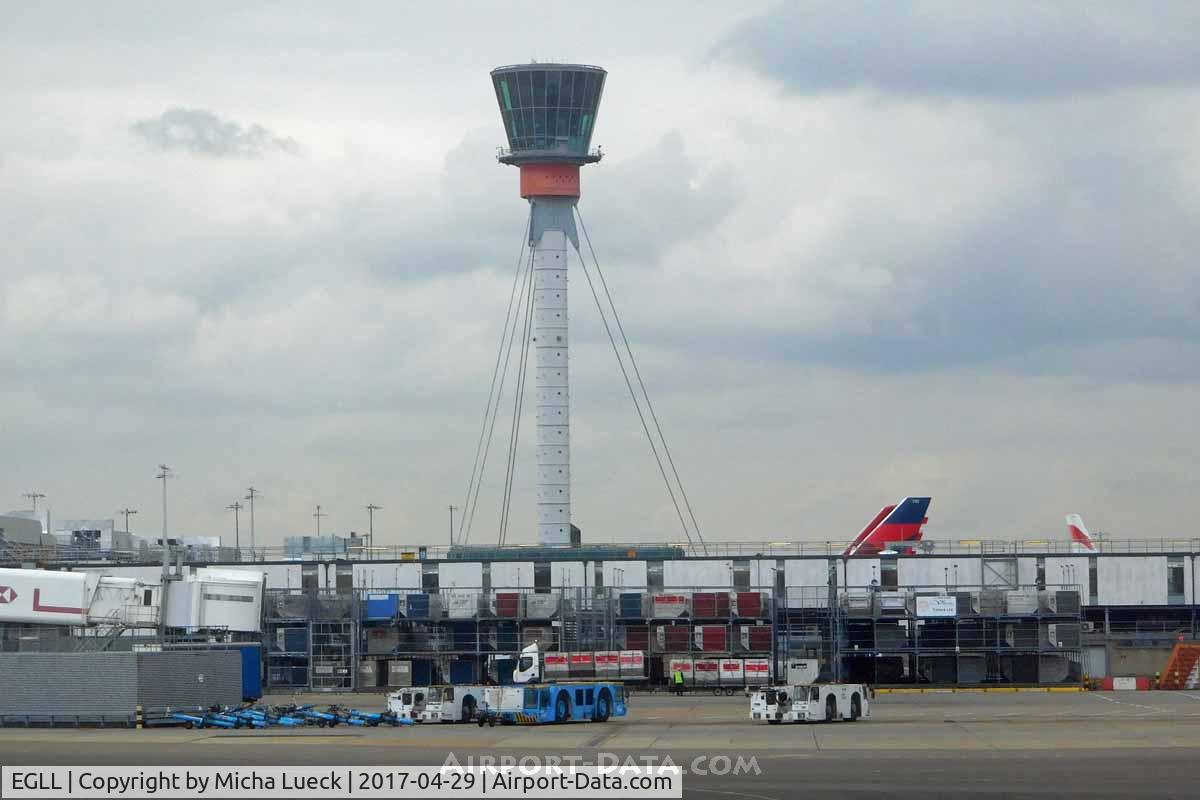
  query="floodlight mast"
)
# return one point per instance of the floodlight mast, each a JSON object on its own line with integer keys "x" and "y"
{"x": 549, "y": 111}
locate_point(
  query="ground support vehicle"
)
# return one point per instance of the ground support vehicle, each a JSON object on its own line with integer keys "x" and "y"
{"x": 540, "y": 704}
{"x": 823, "y": 702}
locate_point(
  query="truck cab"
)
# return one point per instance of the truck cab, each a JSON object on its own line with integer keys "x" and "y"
{"x": 419, "y": 703}
{"x": 827, "y": 702}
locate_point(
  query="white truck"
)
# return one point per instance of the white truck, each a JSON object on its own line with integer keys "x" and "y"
{"x": 820, "y": 702}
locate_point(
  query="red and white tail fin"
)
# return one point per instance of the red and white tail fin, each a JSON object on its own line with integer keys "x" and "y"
{"x": 1081, "y": 541}
{"x": 895, "y": 523}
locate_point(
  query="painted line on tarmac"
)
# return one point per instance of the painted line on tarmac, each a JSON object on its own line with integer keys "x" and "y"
{"x": 732, "y": 794}
{"x": 1156, "y": 709}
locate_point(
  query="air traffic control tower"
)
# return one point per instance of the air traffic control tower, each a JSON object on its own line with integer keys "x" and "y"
{"x": 549, "y": 111}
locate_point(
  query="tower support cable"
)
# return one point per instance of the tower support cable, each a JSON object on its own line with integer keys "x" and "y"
{"x": 633, "y": 393}
{"x": 483, "y": 446}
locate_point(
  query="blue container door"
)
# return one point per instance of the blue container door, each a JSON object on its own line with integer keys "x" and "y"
{"x": 418, "y": 606}
{"x": 422, "y": 672}
{"x": 251, "y": 673}
{"x": 462, "y": 671}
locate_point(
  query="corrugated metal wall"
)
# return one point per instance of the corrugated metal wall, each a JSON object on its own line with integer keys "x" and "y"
{"x": 112, "y": 684}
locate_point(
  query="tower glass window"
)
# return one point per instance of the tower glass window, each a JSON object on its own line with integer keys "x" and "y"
{"x": 549, "y": 110}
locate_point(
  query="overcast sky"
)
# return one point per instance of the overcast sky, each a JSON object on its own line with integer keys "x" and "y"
{"x": 862, "y": 250}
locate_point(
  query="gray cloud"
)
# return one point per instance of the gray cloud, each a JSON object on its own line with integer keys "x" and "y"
{"x": 1019, "y": 48}
{"x": 204, "y": 133}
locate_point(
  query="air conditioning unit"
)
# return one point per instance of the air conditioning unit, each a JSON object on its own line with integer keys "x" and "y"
{"x": 1087, "y": 627}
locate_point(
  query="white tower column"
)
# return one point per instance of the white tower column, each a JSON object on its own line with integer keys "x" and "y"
{"x": 552, "y": 386}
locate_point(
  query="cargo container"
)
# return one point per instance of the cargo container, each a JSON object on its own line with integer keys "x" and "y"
{"x": 893, "y": 604}
{"x": 508, "y": 605}
{"x": 381, "y": 607}
{"x": 462, "y": 671}
{"x": 757, "y": 671}
{"x": 754, "y": 638}
{"x": 706, "y": 671}
{"x": 711, "y": 638}
{"x": 422, "y": 606}
{"x": 541, "y": 606}
{"x": 557, "y": 666}
{"x": 581, "y": 665}
{"x": 368, "y": 674}
{"x": 633, "y": 664}
{"x": 1022, "y": 603}
{"x": 710, "y": 605}
{"x": 733, "y": 672}
{"x": 673, "y": 664}
{"x": 632, "y": 605}
{"x": 608, "y": 664}
{"x": 668, "y": 606}
{"x": 750, "y": 604}
{"x": 382, "y": 640}
{"x": 400, "y": 673}
{"x": 462, "y": 604}
{"x": 674, "y": 638}
{"x": 541, "y": 635}
{"x": 635, "y": 637}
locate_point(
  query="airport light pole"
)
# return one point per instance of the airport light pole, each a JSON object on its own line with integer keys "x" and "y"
{"x": 253, "y": 493}
{"x": 452, "y": 510}
{"x": 127, "y": 512}
{"x": 318, "y": 516}
{"x": 371, "y": 509}
{"x": 33, "y": 497}
{"x": 235, "y": 507}
{"x": 164, "y": 474}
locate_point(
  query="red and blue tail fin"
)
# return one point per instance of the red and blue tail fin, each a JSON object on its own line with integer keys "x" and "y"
{"x": 1081, "y": 541}
{"x": 896, "y": 523}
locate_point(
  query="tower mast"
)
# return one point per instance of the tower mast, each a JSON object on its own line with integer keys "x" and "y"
{"x": 549, "y": 111}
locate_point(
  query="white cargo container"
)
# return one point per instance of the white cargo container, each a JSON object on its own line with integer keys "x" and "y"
{"x": 707, "y": 671}
{"x": 670, "y": 605}
{"x": 461, "y": 604}
{"x": 758, "y": 671}
{"x": 608, "y": 664}
{"x": 733, "y": 672}
{"x": 633, "y": 664}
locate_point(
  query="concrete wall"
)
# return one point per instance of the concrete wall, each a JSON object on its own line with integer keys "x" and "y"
{"x": 935, "y": 572}
{"x": 1137, "y": 661}
{"x": 568, "y": 573}
{"x": 402, "y": 575}
{"x": 1134, "y": 581}
{"x": 112, "y": 684}
{"x": 697, "y": 574}
{"x": 515, "y": 574}
{"x": 464, "y": 575}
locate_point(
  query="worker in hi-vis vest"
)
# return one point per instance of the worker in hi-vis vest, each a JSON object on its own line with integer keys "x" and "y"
{"x": 679, "y": 682}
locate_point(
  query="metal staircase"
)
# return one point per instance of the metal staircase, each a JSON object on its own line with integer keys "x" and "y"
{"x": 1183, "y": 667}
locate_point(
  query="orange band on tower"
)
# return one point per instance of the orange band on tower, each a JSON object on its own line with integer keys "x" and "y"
{"x": 549, "y": 180}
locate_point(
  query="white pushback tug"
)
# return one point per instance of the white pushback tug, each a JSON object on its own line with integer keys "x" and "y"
{"x": 818, "y": 702}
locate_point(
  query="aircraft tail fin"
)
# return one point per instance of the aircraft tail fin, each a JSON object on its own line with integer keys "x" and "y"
{"x": 901, "y": 522}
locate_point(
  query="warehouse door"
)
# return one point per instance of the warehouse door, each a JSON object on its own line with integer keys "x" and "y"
{"x": 999, "y": 573}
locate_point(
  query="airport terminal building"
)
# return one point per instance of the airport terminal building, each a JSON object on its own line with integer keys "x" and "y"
{"x": 339, "y": 615}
